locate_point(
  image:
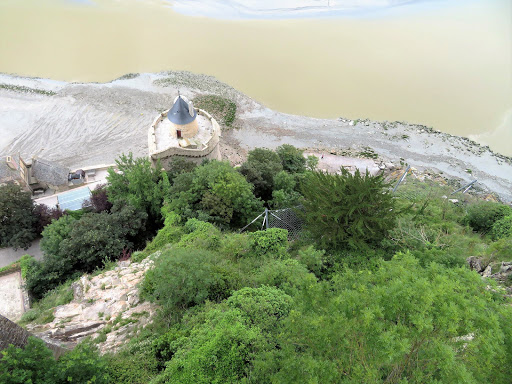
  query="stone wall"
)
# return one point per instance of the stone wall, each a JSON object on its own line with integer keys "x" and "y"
{"x": 12, "y": 333}
{"x": 209, "y": 150}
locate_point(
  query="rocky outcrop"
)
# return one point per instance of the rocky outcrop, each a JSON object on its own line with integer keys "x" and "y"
{"x": 476, "y": 264}
{"x": 106, "y": 307}
{"x": 499, "y": 271}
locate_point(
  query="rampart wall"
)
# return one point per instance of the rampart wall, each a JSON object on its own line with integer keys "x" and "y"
{"x": 209, "y": 149}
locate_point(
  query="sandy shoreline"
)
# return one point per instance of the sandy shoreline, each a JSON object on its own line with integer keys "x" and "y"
{"x": 82, "y": 125}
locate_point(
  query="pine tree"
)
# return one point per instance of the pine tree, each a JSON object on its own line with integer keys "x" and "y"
{"x": 347, "y": 211}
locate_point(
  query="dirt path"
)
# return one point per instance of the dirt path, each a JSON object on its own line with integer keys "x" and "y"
{"x": 87, "y": 124}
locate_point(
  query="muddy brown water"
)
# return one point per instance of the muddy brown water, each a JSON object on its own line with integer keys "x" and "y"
{"x": 448, "y": 66}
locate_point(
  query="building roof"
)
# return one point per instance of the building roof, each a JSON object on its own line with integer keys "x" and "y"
{"x": 75, "y": 199}
{"x": 8, "y": 174}
{"x": 179, "y": 113}
{"x": 49, "y": 172}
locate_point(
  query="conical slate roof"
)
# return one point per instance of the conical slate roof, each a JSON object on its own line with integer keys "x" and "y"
{"x": 179, "y": 113}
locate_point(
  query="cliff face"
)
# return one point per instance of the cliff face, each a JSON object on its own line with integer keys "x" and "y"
{"x": 106, "y": 307}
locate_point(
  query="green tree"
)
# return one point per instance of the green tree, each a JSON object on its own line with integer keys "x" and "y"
{"x": 33, "y": 364}
{"x": 219, "y": 350}
{"x": 347, "y": 210}
{"x": 214, "y": 192}
{"x": 183, "y": 278}
{"x": 284, "y": 194}
{"x": 100, "y": 237}
{"x": 482, "y": 215}
{"x": 16, "y": 217}
{"x": 72, "y": 246}
{"x": 138, "y": 183}
{"x": 261, "y": 167}
{"x": 177, "y": 166}
{"x": 400, "y": 324}
{"x": 292, "y": 159}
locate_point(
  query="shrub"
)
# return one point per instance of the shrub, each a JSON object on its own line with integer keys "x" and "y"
{"x": 171, "y": 233}
{"x": 291, "y": 158}
{"x": 124, "y": 368}
{"x": 347, "y": 211}
{"x": 82, "y": 365}
{"x": 200, "y": 234}
{"x": 219, "y": 350}
{"x": 287, "y": 275}
{"x": 264, "y": 307}
{"x": 99, "y": 199}
{"x": 401, "y": 323}
{"x": 16, "y": 217}
{"x": 273, "y": 241}
{"x": 482, "y": 216}
{"x": 260, "y": 169}
{"x": 44, "y": 215}
{"x": 313, "y": 259}
{"x": 32, "y": 364}
{"x": 182, "y": 278}
{"x": 35, "y": 364}
{"x": 502, "y": 228}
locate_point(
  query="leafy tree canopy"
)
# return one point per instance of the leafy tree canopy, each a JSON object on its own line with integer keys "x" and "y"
{"x": 138, "y": 183}
{"x": 402, "y": 323}
{"x": 292, "y": 159}
{"x": 16, "y": 217}
{"x": 214, "y": 192}
{"x": 261, "y": 167}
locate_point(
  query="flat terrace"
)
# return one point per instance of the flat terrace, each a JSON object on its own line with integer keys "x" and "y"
{"x": 165, "y": 135}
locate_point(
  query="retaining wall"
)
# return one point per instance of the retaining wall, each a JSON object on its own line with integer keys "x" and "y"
{"x": 12, "y": 333}
{"x": 209, "y": 149}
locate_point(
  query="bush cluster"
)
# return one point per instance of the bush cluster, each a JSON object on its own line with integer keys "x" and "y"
{"x": 374, "y": 291}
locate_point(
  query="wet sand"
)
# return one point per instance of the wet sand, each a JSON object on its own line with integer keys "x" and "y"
{"x": 88, "y": 124}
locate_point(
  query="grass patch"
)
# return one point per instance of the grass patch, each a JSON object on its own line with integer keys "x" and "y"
{"x": 13, "y": 267}
{"x": 129, "y": 76}
{"x": 224, "y": 110}
{"x": 42, "y": 311}
{"x": 21, "y": 88}
{"x": 368, "y": 153}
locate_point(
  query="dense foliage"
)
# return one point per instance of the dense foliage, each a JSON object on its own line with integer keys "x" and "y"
{"x": 214, "y": 192}
{"x": 35, "y": 364}
{"x": 137, "y": 183}
{"x": 375, "y": 291}
{"x": 261, "y": 167}
{"x": 482, "y": 216}
{"x": 99, "y": 199}
{"x": 72, "y": 246}
{"x": 16, "y": 217}
{"x": 347, "y": 210}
